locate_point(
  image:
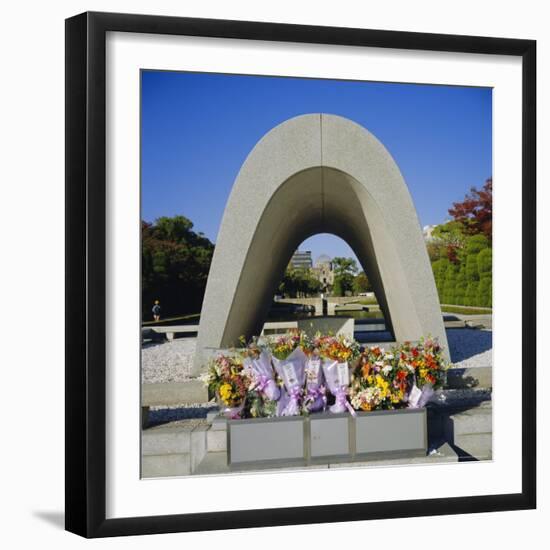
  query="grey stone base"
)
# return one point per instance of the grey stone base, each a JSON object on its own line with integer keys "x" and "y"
{"x": 325, "y": 437}
{"x": 194, "y": 447}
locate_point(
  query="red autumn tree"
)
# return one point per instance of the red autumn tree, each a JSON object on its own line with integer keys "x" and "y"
{"x": 475, "y": 212}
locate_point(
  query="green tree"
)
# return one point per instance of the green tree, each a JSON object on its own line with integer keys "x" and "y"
{"x": 465, "y": 243}
{"x": 288, "y": 285}
{"x": 435, "y": 250}
{"x": 475, "y": 212}
{"x": 448, "y": 239}
{"x": 361, "y": 283}
{"x": 344, "y": 275}
{"x": 298, "y": 283}
{"x": 175, "y": 262}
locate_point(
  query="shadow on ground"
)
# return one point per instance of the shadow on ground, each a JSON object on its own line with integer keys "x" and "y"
{"x": 465, "y": 342}
{"x": 163, "y": 416}
{"x": 374, "y": 336}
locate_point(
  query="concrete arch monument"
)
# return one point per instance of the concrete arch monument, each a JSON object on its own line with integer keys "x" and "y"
{"x": 317, "y": 173}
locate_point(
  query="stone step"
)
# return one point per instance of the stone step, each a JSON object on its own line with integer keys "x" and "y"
{"x": 444, "y": 453}
{"x": 216, "y": 462}
{"x": 213, "y": 463}
{"x": 473, "y": 421}
{"x": 474, "y": 446}
{"x": 459, "y": 323}
{"x": 218, "y": 423}
{"x": 165, "y": 440}
{"x": 198, "y": 445}
{"x": 167, "y": 465}
{"x": 172, "y": 394}
{"x": 173, "y": 449}
{"x": 216, "y": 440}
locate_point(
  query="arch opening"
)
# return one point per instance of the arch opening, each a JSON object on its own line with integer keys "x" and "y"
{"x": 325, "y": 278}
{"x": 281, "y": 229}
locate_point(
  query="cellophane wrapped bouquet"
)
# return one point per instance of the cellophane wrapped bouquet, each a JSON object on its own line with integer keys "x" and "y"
{"x": 227, "y": 379}
{"x": 338, "y": 354}
{"x": 264, "y": 391}
{"x": 379, "y": 381}
{"x": 427, "y": 367}
{"x": 292, "y": 374}
{"x": 315, "y": 394}
{"x": 289, "y": 359}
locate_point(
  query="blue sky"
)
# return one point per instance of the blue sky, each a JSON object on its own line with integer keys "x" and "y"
{"x": 197, "y": 130}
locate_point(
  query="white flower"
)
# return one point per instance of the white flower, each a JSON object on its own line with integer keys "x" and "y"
{"x": 387, "y": 369}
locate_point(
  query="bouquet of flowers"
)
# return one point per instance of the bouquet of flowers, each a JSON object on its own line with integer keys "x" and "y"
{"x": 426, "y": 364}
{"x": 315, "y": 398}
{"x": 336, "y": 353}
{"x": 258, "y": 361}
{"x": 247, "y": 385}
{"x": 378, "y": 381}
{"x": 258, "y": 406}
{"x": 263, "y": 392}
{"x": 229, "y": 381}
{"x": 289, "y": 360}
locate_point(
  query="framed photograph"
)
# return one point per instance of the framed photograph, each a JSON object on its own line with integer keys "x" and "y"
{"x": 300, "y": 274}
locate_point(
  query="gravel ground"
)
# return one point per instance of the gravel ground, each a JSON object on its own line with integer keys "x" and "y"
{"x": 171, "y": 361}
{"x": 167, "y": 362}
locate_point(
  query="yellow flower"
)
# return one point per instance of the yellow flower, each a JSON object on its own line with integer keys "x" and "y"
{"x": 225, "y": 393}
{"x": 397, "y": 397}
{"x": 381, "y": 383}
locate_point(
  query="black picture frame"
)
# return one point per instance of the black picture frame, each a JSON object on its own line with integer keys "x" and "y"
{"x": 85, "y": 273}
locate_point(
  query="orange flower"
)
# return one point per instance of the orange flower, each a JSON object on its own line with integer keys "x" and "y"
{"x": 365, "y": 369}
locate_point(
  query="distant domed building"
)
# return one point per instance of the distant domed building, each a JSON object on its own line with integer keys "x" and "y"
{"x": 323, "y": 259}
{"x": 324, "y": 272}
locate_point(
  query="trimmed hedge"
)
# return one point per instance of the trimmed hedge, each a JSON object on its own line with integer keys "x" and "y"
{"x": 476, "y": 243}
{"x": 449, "y": 285}
{"x": 461, "y": 285}
{"x": 439, "y": 268}
{"x": 485, "y": 269}
{"x": 470, "y": 281}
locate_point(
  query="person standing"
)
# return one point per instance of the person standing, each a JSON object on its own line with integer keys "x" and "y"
{"x": 156, "y": 311}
